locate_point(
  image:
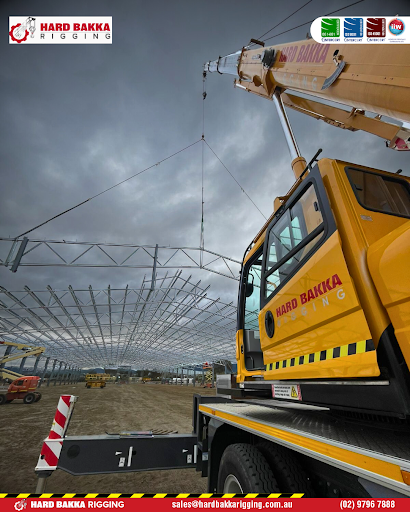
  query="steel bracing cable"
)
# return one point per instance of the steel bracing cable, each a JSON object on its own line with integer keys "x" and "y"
{"x": 110, "y": 188}
{"x": 311, "y": 21}
{"x": 236, "y": 181}
{"x": 280, "y": 23}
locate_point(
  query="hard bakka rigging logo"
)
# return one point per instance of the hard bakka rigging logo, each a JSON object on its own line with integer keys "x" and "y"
{"x": 60, "y": 30}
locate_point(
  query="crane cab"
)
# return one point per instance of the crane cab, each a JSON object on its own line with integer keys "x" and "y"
{"x": 324, "y": 300}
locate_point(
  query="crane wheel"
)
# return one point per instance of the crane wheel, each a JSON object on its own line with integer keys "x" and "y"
{"x": 29, "y": 398}
{"x": 243, "y": 469}
{"x": 38, "y": 396}
{"x": 2, "y": 399}
{"x": 288, "y": 471}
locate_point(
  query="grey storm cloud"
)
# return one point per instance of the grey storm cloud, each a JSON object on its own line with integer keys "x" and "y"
{"x": 77, "y": 119}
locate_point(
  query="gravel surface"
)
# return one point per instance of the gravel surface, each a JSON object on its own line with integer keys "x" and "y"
{"x": 113, "y": 409}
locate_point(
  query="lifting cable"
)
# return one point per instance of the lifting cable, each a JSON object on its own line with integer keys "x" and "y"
{"x": 202, "y": 236}
{"x": 204, "y": 141}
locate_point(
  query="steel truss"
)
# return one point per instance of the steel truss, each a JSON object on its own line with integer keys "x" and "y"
{"x": 167, "y": 322}
{"x": 63, "y": 253}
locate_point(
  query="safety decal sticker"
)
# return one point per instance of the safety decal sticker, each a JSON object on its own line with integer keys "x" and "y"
{"x": 359, "y": 347}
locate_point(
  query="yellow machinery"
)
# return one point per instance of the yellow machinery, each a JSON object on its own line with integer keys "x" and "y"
{"x": 96, "y": 380}
{"x": 324, "y": 307}
{"x": 14, "y": 352}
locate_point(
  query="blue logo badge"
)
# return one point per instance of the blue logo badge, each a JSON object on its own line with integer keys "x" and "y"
{"x": 353, "y": 27}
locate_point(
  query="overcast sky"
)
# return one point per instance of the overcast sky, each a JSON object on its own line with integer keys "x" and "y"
{"x": 78, "y": 118}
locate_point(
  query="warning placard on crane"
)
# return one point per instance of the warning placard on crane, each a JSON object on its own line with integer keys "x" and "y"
{"x": 287, "y": 391}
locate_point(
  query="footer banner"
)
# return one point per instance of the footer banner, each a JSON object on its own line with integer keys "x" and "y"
{"x": 189, "y": 501}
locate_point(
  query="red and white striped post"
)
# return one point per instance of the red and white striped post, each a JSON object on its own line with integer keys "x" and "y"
{"x": 50, "y": 452}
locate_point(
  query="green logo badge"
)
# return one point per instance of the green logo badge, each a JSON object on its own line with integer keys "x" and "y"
{"x": 330, "y": 27}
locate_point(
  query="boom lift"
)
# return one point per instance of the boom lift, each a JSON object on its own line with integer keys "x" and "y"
{"x": 321, "y": 401}
{"x": 21, "y": 386}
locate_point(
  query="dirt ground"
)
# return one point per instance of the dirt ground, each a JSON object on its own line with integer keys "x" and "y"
{"x": 113, "y": 409}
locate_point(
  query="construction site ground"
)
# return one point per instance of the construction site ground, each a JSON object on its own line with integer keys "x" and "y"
{"x": 115, "y": 408}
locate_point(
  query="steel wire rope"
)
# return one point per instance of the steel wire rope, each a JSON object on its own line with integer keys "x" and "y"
{"x": 110, "y": 188}
{"x": 202, "y": 234}
{"x": 280, "y": 23}
{"x": 236, "y": 181}
{"x": 311, "y": 21}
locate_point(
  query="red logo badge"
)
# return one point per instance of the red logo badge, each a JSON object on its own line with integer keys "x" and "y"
{"x": 19, "y": 33}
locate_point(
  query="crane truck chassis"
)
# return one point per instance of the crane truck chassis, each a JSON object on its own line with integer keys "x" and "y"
{"x": 321, "y": 401}
{"x": 250, "y": 446}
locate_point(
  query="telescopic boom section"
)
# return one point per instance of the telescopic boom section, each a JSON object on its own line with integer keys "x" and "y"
{"x": 363, "y": 77}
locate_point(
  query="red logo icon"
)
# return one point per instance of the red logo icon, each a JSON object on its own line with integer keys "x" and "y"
{"x": 20, "y": 505}
{"x": 18, "y": 33}
{"x": 21, "y": 31}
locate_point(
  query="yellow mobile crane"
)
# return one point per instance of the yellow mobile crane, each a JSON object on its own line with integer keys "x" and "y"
{"x": 324, "y": 302}
{"x": 321, "y": 402}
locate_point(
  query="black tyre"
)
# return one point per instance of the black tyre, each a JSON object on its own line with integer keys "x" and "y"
{"x": 29, "y": 398}
{"x": 289, "y": 474}
{"x": 243, "y": 470}
{"x": 38, "y": 396}
{"x": 2, "y": 399}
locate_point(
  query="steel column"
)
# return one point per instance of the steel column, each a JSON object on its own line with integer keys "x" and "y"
{"x": 6, "y": 353}
{"x": 23, "y": 362}
{"x": 51, "y": 373}
{"x": 44, "y": 372}
{"x": 58, "y": 373}
{"x": 62, "y": 373}
{"x": 36, "y": 364}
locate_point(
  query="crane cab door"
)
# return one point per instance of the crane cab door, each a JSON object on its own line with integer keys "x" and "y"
{"x": 248, "y": 311}
{"x": 311, "y": 324}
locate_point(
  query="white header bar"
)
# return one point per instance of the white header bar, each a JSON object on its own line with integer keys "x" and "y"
{"x": 361, "y": 29}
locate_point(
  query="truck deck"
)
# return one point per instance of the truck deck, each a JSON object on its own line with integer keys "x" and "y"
{"x": 372, "y": 453}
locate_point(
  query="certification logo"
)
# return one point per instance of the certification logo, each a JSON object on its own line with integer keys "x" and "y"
{"x": 353, "y": 27}
{"x": 330, "y": 27}
{"x": 376, "y": 27}
{"x": 396, "y": 27}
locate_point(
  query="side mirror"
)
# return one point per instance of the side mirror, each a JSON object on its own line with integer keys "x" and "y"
{"x": 249, "y": 289}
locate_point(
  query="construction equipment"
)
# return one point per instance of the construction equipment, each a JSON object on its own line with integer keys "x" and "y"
{"x": 321, "y": 401}
{"x": 96, "y": 380}
{"x": 21, "y": 386}
{"x": 324, "y": 307}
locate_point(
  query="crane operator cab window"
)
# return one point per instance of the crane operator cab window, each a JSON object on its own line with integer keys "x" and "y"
{"x": 250, "y": 311}
{"x": 291, "y": 239}
{"x": 380, "y": 193}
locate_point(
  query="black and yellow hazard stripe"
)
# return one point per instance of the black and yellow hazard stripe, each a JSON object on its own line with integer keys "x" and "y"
{"x": 158, "y": 495}
{"x": 359, "y": 347}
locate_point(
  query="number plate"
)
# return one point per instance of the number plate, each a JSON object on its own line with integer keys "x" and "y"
{"x": 287, "y": 391}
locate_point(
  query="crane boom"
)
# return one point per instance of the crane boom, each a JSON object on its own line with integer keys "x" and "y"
{"x": 358, "y": 76}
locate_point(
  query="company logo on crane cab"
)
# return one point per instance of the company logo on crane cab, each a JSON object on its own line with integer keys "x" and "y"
{"x": 60, "y": 29}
